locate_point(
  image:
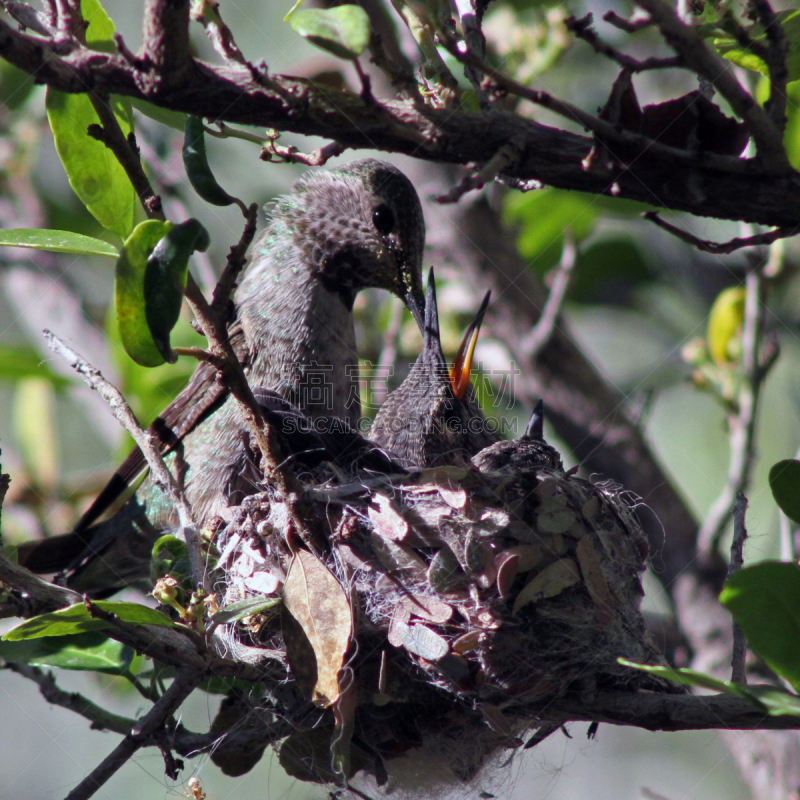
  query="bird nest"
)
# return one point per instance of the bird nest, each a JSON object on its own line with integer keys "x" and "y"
{"x": 440, "y": 611}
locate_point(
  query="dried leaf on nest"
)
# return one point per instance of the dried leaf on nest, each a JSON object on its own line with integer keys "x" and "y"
{"x": 429, "y": 608}
{"x": 551, "y": 581}
{"x": 592, "y": 571}
{"x": 424, "y": 642}
{"x": 444, "y": 572}
{"x": 316, "y": 601}
{"x": 398, "y": 558}
{"x": 386, "y": 519}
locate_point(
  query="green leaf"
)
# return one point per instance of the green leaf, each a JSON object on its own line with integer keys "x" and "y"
{"x": 129, "y": 292}
{"x": 165, "y": 280}
{"x": 244, "y": 608}
{"x": 784, "y": 480}
{"x": 779, "y": 702}
{"x": 791, "y": 135}
{"x": 94, "y": 173}
{"x": 150, "y": 283}
{"x": 790, "y": 22}
{"x": 57, "y": 241}
{"x": 83, "y": 651}
{"x": 542, "y": 216}
{"x": 725, "y": 324}
{"x": 342, "y": 30}
{"x": 775, "y": 701}
{"x": 100, "y": 31}
{"x": 171, "y": 557}
{"x": 77, "y": 619}
{"x": 765, "y": 600}
{"x": 689, "y": 677}
{"x": 196, "y": 164}
{"x": 166, "y": 116}
{"x": 25, "y": 362}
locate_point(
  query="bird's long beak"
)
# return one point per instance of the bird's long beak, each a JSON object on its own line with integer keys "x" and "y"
{"x": 414, "y": 297}
{"x": 462, "y": 366}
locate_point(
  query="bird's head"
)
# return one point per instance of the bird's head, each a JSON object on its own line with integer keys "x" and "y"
{"x": 362, "y": 227}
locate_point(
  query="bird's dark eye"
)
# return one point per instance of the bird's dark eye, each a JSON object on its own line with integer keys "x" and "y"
{"x": 383, "y": 219}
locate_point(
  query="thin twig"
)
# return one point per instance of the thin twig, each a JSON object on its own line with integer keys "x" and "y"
{"x": 688, "y": 42}
{"x": 288, "y": 154}
{"x": 146, "y": 442}
{"x": 183, "y": 685}
{"x": 219, "y": 34}
{"x": 540, "y": 334}
{"x": 720, "y": 248}
{"x": 582, "y": 28}
{"x": 738, "y": 651}
{"x": 753, "y": 371}
{"x": 501, "y": 160}
{"x": 234, "y": 265}
{"x": 224, "y": 359}
{"x": 111, "y": 135}
{"x": 627, "y": 25}
{"x": 607, "y": 130}
{"x": 99, "y": 718}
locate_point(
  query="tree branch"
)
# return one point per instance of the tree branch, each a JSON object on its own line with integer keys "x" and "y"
{"x": 703, "y": 184}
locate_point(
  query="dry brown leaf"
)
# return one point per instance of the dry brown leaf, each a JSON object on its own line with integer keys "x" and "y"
{"x": 455, "y": 498}
{"x": 546, "y": 488}
{"x": 398, "y": 558}
{"x": 595, "y": 580}
{"x": 429, "y": 608}
{"x": 398, "y": 625}
{"x": 590, "y": 507}
{"x": 425, "y": 643}
{"x": 507, "y": 566}
{"x": 467, "y": 641}
{"x": 529, "y": 555}
{"x": 319, "y": 605}
{"x": 387, "y": 521}
{"x": 444, "y": 571}
{"x": 554, "y": 521}
{"x": 552, "y": 580}
{"x": 496, "y": 719}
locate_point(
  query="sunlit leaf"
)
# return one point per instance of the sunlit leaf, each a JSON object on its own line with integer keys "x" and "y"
{"x": 100, "y": 30}
{"x": 775, "y": 701}
{"x": 725, "y": 324}
{"x": 77, "y": 619}
{"x": 551, "y": 581}
{"x": 93, "y": 170}
{"x": 784, "y": 480}
{"x": 83, "y": 651}
{"x": 765, "y": 600}
{"x": 244, "y": 608}
{"x": 341, "y": 30}
{"x": 129, "y": 292}
{"x": 316, "y": 601}
{"x": 744, "y": 57}
{"x": 57, "y": 241}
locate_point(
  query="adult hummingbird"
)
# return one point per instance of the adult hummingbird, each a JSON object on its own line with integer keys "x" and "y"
{"x": 433, "y": 418}
{"x": 338, "y": 232}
